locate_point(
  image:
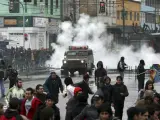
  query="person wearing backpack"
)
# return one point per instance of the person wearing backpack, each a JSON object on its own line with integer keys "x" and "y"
{"x": 121, "y": 67}
{"x": 11, "y": 74}
{"x": 12, "y": 112}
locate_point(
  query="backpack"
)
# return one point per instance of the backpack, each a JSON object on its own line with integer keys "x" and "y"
{"x": 18, "y": 117}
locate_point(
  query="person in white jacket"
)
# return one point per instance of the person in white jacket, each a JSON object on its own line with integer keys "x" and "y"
{"x": 16, "y": 91}
{"x": 69, "y": 88}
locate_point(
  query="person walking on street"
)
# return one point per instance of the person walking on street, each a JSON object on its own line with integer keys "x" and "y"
{"x": 120, "y": 91}
{"x": 2, "y": 69}
{"x": 52, "y": 86}
{"x": 12, "y": 75}
{"x": 121, "y": 67}
{"x": 141, "y": 75}
{"x": 84, "y": 85}
{"x": 100, "y": 73}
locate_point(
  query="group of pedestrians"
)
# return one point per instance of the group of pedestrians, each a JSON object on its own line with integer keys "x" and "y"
{"x": 40, "y": 103}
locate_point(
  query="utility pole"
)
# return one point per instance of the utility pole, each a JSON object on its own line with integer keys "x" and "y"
{"x": 123, "y": 18}
{"x": 74, "y": 11}
{"x": 155, "y": 12}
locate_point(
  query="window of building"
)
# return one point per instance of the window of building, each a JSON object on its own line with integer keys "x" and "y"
{"x": 118, "y": 14}
{"x": 51, "y": 8}
{"x": 41, "y": 0}
{"x": 56, "y": 3}
{"x": 46, "y": 5}
{"x": 150, "y": 18}
{"x": 135, "y": 16}
{"x": 35, "y": 2}
{"x": 130, "y": 15}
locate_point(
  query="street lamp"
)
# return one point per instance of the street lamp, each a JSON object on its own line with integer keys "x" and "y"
{"x": 23, "y": 23}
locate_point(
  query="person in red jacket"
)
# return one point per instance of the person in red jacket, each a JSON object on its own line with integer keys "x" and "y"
{"x": 29, "y": 104}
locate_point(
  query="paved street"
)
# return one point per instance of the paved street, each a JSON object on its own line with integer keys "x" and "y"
{"x": 129, "y": 81}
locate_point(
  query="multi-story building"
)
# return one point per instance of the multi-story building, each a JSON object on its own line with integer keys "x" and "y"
{"x": 40, "y": 15}
{"x": 132, "y": 15}
{"x": 150, "y": 14}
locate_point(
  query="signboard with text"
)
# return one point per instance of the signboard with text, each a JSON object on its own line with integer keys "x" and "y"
{"x": 40, "y": 22}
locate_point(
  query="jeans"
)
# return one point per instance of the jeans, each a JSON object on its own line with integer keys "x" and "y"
{"x": 2, "y": 87}
{"x": 122, "y": 75}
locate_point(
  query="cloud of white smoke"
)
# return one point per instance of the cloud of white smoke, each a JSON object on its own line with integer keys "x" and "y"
{"x": 93, "y": 33}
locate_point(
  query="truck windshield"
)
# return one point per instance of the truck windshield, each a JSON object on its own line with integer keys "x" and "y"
{"x": 82, "y": 53}
{"x": 71, "y": 53}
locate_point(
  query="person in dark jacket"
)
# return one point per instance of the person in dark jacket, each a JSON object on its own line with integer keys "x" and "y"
{"x": 100, "y": 73}
{"x": 72, "y": 102}
{"x": 2, "y": 71}
{"x": 49, "y": 103}
{"x": 120, "y": 91}
{"x": 82, "y": 103}
{"x": 40, "y": 93}
{"x": 52, "y": 85}
{"x": 90, "y": 112}
{"x": 121, "y": 67}
{"x": 12, "y": 75}
{"x": 12, "y": 111}
{"x": 107, "y": 90}
{"x": 84, "y": 85}
{"x": 141, "y": 75}
{"x": 105, "y": 112}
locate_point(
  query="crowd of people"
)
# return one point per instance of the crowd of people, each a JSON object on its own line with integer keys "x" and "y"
{"x": 40, "y": 103}
{"x": 23, "y": 59}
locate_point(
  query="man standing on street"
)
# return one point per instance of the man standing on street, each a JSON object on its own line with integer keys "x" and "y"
{"x": 12, "y": 75}
{"x": 141, "y": 75}
{"x": 2, "y": 68}
{"x": 52, "y": 86}
{"x": 121, "y": 67}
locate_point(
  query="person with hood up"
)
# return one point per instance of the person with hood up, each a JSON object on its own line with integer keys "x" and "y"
{"x": 120, "y": 91}
{"x": 72, "y": 102}
{"x": 107, "y": 90}
{"x": 90, "y": 112}
{"x": 141, "y": 75}
{"x": 149, "y": 86}
{"x": 84, "y": 85}
{"x": 100, "y": 73}
{"x": 121, "y": 67}
{"x": 105, "y": 112}
{"x": 69, "y": 88}
{"x": 16, "y": 91}
{"x": 12, "y": 111}
{"x": 29, "y": 104}
{"x": 52, "y": 86}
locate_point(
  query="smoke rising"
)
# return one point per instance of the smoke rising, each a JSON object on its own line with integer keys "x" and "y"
{"x": 93, "y": 33}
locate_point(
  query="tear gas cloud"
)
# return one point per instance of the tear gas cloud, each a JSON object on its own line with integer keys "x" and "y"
{"x": 93, "y": 33}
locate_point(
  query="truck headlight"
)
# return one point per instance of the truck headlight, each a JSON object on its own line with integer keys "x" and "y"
{"x": 64, "y": 62}
{"x": 82, "y": 61}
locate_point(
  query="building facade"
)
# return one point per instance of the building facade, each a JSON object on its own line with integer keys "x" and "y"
{"x": 132, "y": 13}
{"x": 40, "y": 15}
{"x": 150, "y": 14}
